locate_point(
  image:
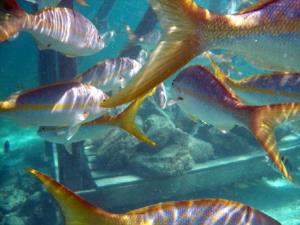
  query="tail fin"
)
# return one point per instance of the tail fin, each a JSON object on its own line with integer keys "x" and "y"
{"x": 11, "y": 19}
{"x": 263, "y": 121}
{"x": 180, "y": 42}
{"x": 82, "y": 2}
{"x": 75, "y": 209}
{"x": 218, "y": 72}
{"x": 126, "y": 121}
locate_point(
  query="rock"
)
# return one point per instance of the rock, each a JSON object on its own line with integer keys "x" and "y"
{"x": 42, "y": 209}
{"x": 159, "y": 129}
{"x": 171, "y": 160}
{"x": 13, "y": 220}
{"x": 11, "y": 198}
{"x": 114, "y": 151}
{"x": 200, "y": 150}
{"x": 228, "y": 144}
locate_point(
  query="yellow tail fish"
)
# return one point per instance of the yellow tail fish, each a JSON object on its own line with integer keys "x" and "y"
{"x": 194, "y": 212}
{"x": 94, "y": 129}
{"x": 263, "y": 89}
{"x": 201, "y": 94}
{"x": 267, "y": 34}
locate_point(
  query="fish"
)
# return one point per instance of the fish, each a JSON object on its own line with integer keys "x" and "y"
{"x": 61, "y": 29}
{"x": 161, "y": 97}
{"x": 52, "y": 3}
{"x": 110, "y": 74}
{"x": 235, "y": 5}
{"x": 148, "y": 41}
{"x": 267, "y": 34}
{"x": 95, "y": 129}
{"x": 286, "y": 162}
{"x": 76, "y": 210}
{"x": 67, "y": 103}
{"x": 200, "y": 94}
{"x": 113, "y": 74}
{"x": 263, "y": 89}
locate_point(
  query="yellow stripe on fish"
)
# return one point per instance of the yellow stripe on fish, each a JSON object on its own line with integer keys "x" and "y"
{"x": 268, "y": 37}
{"x": 278, "y": 87}
{"x": 194, "y": 212}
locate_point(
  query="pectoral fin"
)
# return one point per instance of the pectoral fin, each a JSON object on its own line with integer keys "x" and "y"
{"x": 82, "y": 2}
{"x": 72, "y": 131}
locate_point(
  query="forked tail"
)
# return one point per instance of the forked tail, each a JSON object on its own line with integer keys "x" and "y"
{"x": 126, "y": 120}
{"x": 12, "y": 19}
{"x": 263, "y": 121}
{"x": 180, "y": 42}
{"x": 76, "y": 210}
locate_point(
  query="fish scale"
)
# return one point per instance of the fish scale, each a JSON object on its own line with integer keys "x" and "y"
{"x": 194, "y": 212}
{"x": 200, "y": 94}
{"x": 62, "y": 29}
{"x": 267, "y": 35}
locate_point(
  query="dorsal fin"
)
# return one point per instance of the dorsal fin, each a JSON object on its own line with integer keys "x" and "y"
{"x": 254, "y": 7}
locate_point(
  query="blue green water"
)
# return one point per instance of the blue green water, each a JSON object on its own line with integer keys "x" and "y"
{"x": 266, "y": 191}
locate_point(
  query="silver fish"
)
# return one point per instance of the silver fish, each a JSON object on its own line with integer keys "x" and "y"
{"x": 60, "y": 29}
{"x": 62, "y": 104}
{"x": 52, "y": 3}
{"x": 204, "y": 97}
{"x": 110, "y": 74}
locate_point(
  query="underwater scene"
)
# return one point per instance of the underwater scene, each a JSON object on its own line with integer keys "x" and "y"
{"x": 156, "y": 112}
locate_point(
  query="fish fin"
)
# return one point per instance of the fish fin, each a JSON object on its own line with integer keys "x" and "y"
{"x": 12, "y": 18}
{"x": 82, "y": 117}
{"x": 41, "y": 46}
{"x": 218, "y": 72}
{"x": 131, "y": 35}
{"x": 179, "y": 44}
{"x": 68, "y": 147}
{"x": 72, "y": 131}
{"x": 263, "y": 121}
{"x": 75, "y": 209}
{"x": 256, "y": 6}
{"x": 33, "y": 1}
{"x": 126, "y": 120}
{"x": 82, "y": 2}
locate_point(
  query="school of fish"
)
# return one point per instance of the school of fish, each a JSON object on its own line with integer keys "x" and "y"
{"x": 266, "y": 34}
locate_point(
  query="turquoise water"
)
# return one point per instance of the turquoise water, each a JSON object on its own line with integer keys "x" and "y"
{"x": 116, "y": 171}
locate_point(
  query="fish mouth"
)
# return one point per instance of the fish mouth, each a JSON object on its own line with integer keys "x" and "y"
{"x": 177, "y": 91}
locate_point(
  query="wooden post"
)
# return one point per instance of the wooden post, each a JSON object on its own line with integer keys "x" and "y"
{"x": 73, "y": 170}
{"x": 104, "y": 10}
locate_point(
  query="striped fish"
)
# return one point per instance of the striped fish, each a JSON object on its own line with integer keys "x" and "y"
{"x": 262, "y": 89}
{"x": 61, "y": 104}
{"x": 95, "y": 129}
{"x": 267, "y": 34}
{"x": 60, "y": 29}
{"x": 52, "y": 3}
{"x": 195, "y": 212}
{"x": 114, "y": 74}
{"x": 110, "y": 74}
{"x": 203, "y": 96}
